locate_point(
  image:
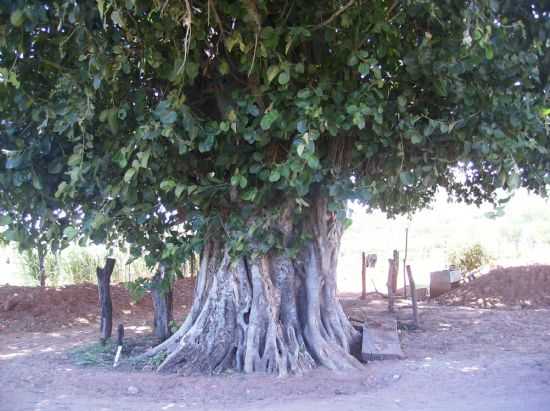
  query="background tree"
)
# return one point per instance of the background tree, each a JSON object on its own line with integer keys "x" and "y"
{"x": 248, "y": 125}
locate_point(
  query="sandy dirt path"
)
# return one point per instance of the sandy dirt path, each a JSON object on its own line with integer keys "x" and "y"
{"x": 464, "y": 359}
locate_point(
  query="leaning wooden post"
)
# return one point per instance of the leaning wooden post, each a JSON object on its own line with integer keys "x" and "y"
{"x": 105, "y": 302}
{"x": 395, "y": 271}
{"x": 162, "y": 305}
{"x": 390, "y": 285}
{"x": 405, "y": 262}
{"x": 364, "y": 277}
{"x": 413, "y": 296}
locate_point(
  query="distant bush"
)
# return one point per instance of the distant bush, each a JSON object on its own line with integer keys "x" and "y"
{"x": 31, "y": 267}
{"x": 470, "y": 258}
{"x": 76, "y": 265}
{"x": 79, "y": 265}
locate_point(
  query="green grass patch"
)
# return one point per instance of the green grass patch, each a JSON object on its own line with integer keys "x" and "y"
{"x": 94, "y": 355}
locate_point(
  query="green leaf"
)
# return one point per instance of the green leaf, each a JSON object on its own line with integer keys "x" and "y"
{"x": 300, "y": 149}
{"x": 192, "y": 70}
{"x": 268, "y": 119}
{"x": 224, "y": 126}
{"x": 117, "y": 18}
{"x": 100, "y": 7}
{"x": 15, "y": 159}
{"x": 250, "y": 194}
{"x": 359, "y": 120}
{"x": 407, "y": 178}
{"x": 364, "y": 69}
{"x": 206, "y": 144}
{"x": 70, "y": 233}
{"x": 353, "y": 60}
{"x": 223, "y": 68}
{"x": 168, "y": 117}
{"x": 272, "y": 72}
{"x": 5, "y": 220}
{"x": 274, "y": 176}
{"x": 284, "y": 78}
{"x": 179, "y": 189}
{"x": 402, "y": 103}
{"x": 129, "y": 174}
{"x": 167, "y": 185}
{"x": 304, "y": 93}
{"x": 120, "y": 159}
{"x": 235, "y": 180}
{"x": 301, "y": 126}
{"x": 243, "y": 182}
{"x": 36, "y": 183}
{"x": 416, "y": 138}
{"x": 17, "y": 18}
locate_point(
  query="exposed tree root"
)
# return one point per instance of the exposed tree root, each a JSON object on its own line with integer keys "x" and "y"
{"x": 269, "y": 314}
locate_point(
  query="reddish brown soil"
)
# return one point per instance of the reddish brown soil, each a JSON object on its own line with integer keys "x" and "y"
{"x": 462, "y": 359}
{"x": 512, "y": 287}
{"x": 47, "y": 309}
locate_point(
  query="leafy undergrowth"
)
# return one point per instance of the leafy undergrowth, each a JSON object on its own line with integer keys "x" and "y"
{"x": 103, "y": 355}
{"x": 95, "y": 354}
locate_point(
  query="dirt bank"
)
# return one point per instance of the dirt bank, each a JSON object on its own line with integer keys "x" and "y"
{"x": 512, "y": 287}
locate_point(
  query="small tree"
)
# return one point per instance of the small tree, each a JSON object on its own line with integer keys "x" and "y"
{"x": 470, "y": 259}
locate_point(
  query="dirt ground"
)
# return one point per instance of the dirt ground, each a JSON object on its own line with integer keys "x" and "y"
{"x": 462, "y": 359}
{"x": 511, "y": 287}
{"x": 53, "y": 308}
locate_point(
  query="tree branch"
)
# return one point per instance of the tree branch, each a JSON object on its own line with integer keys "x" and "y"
{"x": 335, "y": 14}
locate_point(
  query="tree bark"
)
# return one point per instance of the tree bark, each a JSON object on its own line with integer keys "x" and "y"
{"x": 267, "y": 313}
{"x": 105, "y": 303}
{"x": 162, "y": 306}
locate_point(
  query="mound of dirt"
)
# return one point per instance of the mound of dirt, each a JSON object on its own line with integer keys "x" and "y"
{"x": 512, "y": 287}
{"x": 47, "y": 309}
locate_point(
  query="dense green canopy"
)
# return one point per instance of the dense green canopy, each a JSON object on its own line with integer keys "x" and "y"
{"x": 124, "y": 119}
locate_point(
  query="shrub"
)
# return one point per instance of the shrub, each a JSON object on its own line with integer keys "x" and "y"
{"x": 470, "y": 258}
{"x": 76, "y": 265}
{"x": 31, "y": 267}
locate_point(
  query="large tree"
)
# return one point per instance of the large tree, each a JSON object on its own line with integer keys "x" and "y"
{"x": 245, "y": 126}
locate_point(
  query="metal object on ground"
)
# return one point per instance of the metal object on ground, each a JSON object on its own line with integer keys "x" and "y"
{"x": 443, "y": 281}
{"x": 120, "y": 337}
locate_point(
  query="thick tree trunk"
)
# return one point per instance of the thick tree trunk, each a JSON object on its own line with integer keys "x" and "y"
{"x": 268, "y": 313}
{"x": 105, "y": 303}
{"x": 162, "y": 306}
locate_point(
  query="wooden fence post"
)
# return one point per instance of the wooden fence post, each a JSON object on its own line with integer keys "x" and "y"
{"x": 395, "y": 271}
{"x": 364, "y": 276}
{"x": 413, "y": 296}
{"x": 405, "y": 262}
{"x": 162, "y": 306}
{"x": 390, "y": 285}
{"x": 105, "y": 302}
